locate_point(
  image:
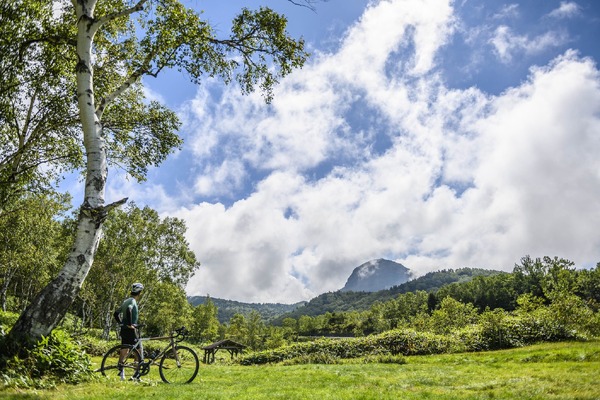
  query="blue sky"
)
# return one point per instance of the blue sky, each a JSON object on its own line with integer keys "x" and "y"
{"x": 436, "y": 133}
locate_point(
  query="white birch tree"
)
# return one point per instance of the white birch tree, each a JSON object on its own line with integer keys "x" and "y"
{"x": 112, "y": 52}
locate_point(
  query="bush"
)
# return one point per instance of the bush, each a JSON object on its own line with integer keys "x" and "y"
{"x": 409, "y": 342}
{"x": 391, "y": 343}
{"x": 95, "y": 346}
{"x": 472, "y": 338}
{"x": 55, "y": 359}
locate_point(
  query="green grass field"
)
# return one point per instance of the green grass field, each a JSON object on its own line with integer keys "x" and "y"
{"x": 545, "y": 371}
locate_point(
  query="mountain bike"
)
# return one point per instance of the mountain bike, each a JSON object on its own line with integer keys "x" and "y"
{"x": 176, "y": 364}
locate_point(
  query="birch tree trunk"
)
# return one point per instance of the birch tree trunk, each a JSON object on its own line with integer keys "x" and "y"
{"x": 50, "y": 306}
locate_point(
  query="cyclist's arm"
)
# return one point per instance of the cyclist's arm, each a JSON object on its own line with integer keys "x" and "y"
{"x": 129, "y": 318}
{"x": 117, "y": 315}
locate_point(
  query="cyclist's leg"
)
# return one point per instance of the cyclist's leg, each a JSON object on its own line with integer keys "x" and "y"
{"x": 128, "y": 337}
{"x": 112, "y": 366}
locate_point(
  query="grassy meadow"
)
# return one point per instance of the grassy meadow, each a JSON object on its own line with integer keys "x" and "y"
{"x": 546, "y": 371}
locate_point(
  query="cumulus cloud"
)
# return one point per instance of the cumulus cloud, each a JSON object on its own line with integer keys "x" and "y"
{"x": 463, "y": 178}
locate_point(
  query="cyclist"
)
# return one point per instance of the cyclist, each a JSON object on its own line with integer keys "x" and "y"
{"x": 127, "y": 316}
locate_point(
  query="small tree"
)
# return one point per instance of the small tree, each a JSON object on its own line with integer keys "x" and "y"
{"x": 205, "y": 325}
{"x": 237, "y": 328}
{"x": 165, "y": 309}
{"x": 452, "y": 314}
{"x": 255, "y": 329}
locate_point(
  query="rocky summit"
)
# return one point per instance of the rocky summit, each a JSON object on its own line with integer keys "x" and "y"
{"x": 376, "y": 275}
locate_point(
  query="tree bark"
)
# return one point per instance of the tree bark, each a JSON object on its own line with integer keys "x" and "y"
{"x": 5, "y": 285}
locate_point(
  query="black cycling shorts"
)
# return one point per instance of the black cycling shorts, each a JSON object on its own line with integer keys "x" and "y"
{"x": 128, "y": 335}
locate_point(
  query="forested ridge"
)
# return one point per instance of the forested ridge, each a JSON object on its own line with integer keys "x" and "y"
{"x": 340, "y": 301}
{"x": 228, "y": 308}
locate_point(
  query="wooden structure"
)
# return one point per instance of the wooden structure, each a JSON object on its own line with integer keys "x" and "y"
{"x": 232, "y": 347}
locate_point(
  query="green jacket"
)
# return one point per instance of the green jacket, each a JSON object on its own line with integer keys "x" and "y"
{"x": 127, "y": 314}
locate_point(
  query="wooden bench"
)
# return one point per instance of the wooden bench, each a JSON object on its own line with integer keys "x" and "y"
{"x": 232, "y": 347}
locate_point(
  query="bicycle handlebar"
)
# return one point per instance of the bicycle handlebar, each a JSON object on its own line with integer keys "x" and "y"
{"x": 181, "y": 332}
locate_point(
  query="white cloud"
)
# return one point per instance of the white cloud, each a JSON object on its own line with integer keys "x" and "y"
{"x": 305, "y": 124}
{"x": 508, "y": 44}
{"x": 468, "y": 179}
{"x": 508, "y": 11}
{"x": 567, "y": 9}
{"x": 222, "y": 179}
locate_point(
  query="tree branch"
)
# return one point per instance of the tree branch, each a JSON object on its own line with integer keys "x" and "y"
{"x": 125, "y": 85}
{"x": 306, "y": 3}
{"x": 136, "y": 8}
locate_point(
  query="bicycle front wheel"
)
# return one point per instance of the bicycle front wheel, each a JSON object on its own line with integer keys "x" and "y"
{"x": 179, "y": 365}
{"x": 114, "y": 370}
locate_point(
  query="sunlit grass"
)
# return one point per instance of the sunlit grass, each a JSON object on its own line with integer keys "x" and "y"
{"x": 546, "y": 371}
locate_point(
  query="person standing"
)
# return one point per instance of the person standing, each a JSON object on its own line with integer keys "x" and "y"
{"x": 127, "y": 316}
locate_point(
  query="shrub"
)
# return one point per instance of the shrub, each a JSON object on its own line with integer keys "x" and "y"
{"x": 392, "y": 343}
{"x": 55, "y": 359}
{"x": 410, "y": 342}
{"x": 95, "y": 346}
{"x": 471, "y": 338}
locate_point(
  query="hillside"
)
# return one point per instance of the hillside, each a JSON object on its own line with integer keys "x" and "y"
{"x": 358, "y": 301}
{"x": 228, "y": 308}
{"x": 340, "y": 300}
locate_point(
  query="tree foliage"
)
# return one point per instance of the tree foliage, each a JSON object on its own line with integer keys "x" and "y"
{"x": 139, "y": 246}
{"x": 32, "y": 245}
{"x": 205, "y": 325}
{"x": 39, "y": 137}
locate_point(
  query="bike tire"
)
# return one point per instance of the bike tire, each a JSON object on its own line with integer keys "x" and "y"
{"x": 110, "y": 363}
{"x": 179, "y": 365}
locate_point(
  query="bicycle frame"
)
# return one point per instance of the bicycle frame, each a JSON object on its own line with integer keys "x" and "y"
{"x": 140, "y": 345}
{"x": 176, "y": 364}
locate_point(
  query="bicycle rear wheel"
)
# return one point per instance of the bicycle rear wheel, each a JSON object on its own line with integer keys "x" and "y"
{"x": 179, "y": 365}
{"x": 110, "y": 363}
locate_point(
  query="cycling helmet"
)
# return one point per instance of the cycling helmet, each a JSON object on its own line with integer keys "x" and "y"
{"x": 137, "y": 287}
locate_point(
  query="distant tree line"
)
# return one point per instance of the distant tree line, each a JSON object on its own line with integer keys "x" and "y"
{"x": 226, "y": 309}
{"x": 542, "y": 280}
{"x": 546, "y": 289}
{"x": 341, "y": 301}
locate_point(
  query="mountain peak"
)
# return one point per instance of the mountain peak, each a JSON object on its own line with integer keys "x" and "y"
{"x": 376, "y": 275}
